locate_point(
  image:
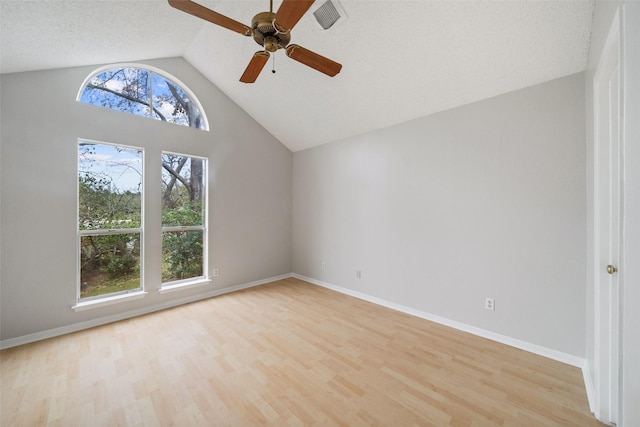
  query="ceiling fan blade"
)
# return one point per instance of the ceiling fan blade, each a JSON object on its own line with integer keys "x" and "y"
{"x": 290, "y": 12}
{"x": 202, "y": 12}
{"x": 313, "y": 60}
{"x": 255, "y": 66}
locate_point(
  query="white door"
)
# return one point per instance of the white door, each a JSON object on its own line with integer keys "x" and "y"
{"x": 607, "y": 227}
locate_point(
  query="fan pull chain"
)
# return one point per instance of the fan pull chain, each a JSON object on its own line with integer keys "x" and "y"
{"x": 273, "y": 64}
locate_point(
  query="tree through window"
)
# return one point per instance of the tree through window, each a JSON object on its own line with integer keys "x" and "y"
{"x": 183, "y": 217}
{"x": 143, "y": 92}
{"x": 110, "y": 192}
{"x": 109, "y": 218}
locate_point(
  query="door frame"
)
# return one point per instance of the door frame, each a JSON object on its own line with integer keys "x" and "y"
{"x": 607, "y": 296}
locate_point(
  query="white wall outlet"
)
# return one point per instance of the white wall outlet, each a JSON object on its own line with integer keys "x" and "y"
{"x": 358, "y": 274}
{"x": 490, "y": 304}
{"x": 324, "y": 265}
{"x": 215, "y": 272}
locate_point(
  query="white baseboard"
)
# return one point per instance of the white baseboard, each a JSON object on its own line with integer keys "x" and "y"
{"x": 513, "y": 342}
{"x": 50, "y": 333}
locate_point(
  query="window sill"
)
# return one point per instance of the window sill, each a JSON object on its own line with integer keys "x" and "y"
{"x": 184, "y": 285}
{"x": 88, "y": 305}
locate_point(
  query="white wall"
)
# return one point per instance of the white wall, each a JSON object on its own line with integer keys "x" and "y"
{"x": 485, "y": 200}
{"x": 249, "y": 191}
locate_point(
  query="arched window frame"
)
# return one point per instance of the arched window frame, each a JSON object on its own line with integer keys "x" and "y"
{"x": 153, "y": 70}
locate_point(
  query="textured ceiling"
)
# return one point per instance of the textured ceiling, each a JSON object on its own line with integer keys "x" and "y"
{"x": 401, "y": 59}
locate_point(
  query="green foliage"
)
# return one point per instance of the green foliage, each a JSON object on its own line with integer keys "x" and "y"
{"x": 182, "y": 255}
{"x": 104, "y": 285}
{"x": 190, "y": 213}
{"x": 104, "y": 207}
{"x": 182, "y": 251}
{"x": 109, "y": 263}
{"x": 121, "y": 266}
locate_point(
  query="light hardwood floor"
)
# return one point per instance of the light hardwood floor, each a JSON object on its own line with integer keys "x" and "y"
{"x": 286, "y": 353}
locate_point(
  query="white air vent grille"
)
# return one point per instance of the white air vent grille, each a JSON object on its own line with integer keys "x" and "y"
{"x": 327, "y": 15}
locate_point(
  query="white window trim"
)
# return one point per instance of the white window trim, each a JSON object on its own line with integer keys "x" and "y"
{"x": 108, "y": 299}
{"x": 152, "y": 69}
{"x": 114, "y": 299}
{"x": 170, "y": 228}
{"x": 179, "y": 286}
{"x": 108, "y": 231}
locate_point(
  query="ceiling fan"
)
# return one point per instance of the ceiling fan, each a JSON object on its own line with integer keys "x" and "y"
{"x": 270, "y": 30}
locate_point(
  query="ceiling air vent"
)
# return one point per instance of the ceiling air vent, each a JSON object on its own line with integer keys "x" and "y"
{"x": 327, "y": 14}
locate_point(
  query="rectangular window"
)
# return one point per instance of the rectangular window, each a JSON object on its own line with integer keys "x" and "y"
{"x": 183, "y": 218}
{"x": 109, "y": 219}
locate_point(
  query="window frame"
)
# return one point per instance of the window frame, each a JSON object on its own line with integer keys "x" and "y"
{"x": 117, "y": 297}
{"x": 114, "y": 297}
{"x": 204, "y": 228}
{"x": 151, "y": 69}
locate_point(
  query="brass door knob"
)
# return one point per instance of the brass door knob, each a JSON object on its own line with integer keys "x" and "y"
{"x": 611, "y": 269}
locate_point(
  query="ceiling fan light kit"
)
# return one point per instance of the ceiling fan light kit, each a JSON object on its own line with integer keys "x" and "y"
{"x": 270, "y": 30}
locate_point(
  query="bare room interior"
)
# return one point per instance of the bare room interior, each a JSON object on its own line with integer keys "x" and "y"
{"x": 342, "y": 212}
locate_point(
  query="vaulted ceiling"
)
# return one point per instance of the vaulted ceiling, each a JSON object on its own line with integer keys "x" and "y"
{"x": 401, "y": 59}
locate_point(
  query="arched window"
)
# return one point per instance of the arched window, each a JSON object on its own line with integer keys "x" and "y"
{"x": 143, "y": 91}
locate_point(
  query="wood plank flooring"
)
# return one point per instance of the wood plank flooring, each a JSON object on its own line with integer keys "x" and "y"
{"x": 284, "y": 354}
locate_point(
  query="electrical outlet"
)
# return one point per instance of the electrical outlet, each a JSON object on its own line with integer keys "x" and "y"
{"x": 324, "y": 265}
{"x": 490, "y": 304}
{"x": 358, "y": 274}
{"x": 215, "y": 272}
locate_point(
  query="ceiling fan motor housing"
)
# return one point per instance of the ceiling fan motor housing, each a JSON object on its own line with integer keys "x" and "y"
{"x": 265, "y": 34}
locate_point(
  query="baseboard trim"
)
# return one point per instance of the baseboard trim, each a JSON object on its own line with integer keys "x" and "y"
{"x": 513, "y": 342}
{"x": 63, "y": 330}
